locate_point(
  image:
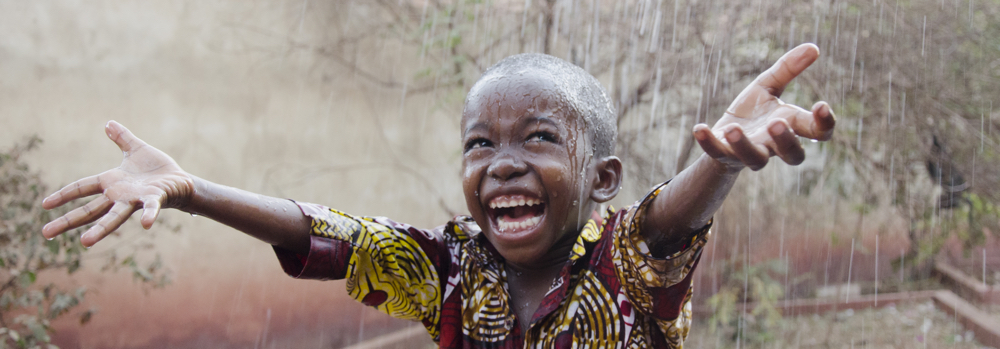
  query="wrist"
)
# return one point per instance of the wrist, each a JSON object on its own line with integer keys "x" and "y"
{"x": 722, "y": 167}
{"x": 193, "y": 202}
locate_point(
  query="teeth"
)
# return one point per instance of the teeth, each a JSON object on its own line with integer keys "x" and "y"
{"x": 513, "y": 202}
{"x": 527, "y": 223}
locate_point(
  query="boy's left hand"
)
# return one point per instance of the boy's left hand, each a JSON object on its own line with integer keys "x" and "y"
{"x": 758, "y": 125}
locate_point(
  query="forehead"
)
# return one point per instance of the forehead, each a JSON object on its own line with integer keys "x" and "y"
{"x": 529, "y": 92}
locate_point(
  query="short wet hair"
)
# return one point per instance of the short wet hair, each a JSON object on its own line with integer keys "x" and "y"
{"x": 578, "y": 88}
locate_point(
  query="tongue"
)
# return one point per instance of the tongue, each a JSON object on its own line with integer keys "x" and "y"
{"x": 519, "y": 213}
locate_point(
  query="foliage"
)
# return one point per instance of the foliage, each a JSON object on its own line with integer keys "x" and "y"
{"x": 898, "y": 74}
{"x": 913, "y": 84}
{"x": 745, "y": 307}
{"x": 37, "y": 275}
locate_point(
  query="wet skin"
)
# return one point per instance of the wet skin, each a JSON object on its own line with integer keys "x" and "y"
{"x": 523, "y": 142}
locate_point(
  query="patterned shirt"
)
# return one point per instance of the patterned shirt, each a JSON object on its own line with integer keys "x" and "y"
{"x": 612, "y": 292}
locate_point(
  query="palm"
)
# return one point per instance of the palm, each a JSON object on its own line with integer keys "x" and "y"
{"x": 755, "y": 107}
{"x": 147, "y": 179}
{"x": 145, "y": 173}
{"x": 758, "y": 125}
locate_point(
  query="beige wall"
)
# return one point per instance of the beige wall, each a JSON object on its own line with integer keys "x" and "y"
{"x": 217, "y": 86}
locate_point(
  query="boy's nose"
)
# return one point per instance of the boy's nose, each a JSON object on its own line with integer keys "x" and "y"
{"x": 506, "y": 167}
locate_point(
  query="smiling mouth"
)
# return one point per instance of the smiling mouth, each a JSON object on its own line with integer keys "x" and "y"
{"x": 515, "y": 212}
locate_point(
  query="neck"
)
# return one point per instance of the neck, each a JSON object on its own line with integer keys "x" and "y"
{"x": 554, "y": 259}
{"x": 558, "y": 254}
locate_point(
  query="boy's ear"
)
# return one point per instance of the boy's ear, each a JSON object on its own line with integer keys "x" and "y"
{"x": 609, "y": 179}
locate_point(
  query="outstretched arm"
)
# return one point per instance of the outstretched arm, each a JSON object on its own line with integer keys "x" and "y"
{"x": 756, "y": 126}
{"x": 149, "y": 179}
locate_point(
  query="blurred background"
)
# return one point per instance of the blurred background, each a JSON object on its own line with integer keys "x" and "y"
{"x": 356, "y": 105}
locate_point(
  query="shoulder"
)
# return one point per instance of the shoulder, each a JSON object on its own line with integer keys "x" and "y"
{"x": 460, "y": 229}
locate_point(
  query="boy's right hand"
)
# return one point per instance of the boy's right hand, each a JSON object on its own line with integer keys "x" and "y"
{"x": 147, "y": 178}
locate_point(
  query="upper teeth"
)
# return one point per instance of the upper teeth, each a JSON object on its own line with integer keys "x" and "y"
{"x": 512, "y": 202}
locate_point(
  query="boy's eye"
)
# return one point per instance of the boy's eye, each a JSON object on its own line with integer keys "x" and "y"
{"x": 542, "y": 137}
{"x": 477, "y": 143}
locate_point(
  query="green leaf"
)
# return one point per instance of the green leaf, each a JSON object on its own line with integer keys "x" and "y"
{"x": 53, "y": 246}
{"x": 27, "y": 278}
{"x": 86, "y": 316}
{"x": 39, "y": 331}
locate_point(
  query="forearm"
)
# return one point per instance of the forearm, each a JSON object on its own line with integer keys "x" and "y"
{"x": 278, "y": 222}
{"x": 689, "y": 201}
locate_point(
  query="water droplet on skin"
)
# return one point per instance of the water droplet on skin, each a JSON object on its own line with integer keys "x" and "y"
{"x": 194, "y": 215}
{"x": 51, "y": 238}
{"x": 576, "y": 202}
{"x": 813, "y": 140}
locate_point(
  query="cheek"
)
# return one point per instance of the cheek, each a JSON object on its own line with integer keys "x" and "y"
{"x": 468, "y": 180}
{"x": 472, "y": 174}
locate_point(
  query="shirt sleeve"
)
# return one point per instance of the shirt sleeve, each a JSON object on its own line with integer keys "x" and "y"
{"x": 390, "y": 266}
{"x": 657, "y": 286}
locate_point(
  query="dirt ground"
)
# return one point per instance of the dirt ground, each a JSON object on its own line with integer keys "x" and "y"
{"x": 907, "y": 326}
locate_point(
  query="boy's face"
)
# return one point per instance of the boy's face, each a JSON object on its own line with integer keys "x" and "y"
{"x": 526, "y": 174}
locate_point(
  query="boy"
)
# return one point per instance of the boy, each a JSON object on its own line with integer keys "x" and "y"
{"x": 530, "y": 267}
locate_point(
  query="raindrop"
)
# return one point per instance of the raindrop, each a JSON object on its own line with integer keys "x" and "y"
{"x": 791, "y": 36}
{"x": 788, "y": 268}
{"x": 861, "y": 127}
{"x": 850, "y": 266}
{"x": 888, "y": 114}
{"x": 826, "y": 270}
{"x": 970, "y": 14}
{"x": 876, "y": 270}
{"x": 524, "y": 16}
{"x": 923, "y": 39}
{"x": 902, "y": 265}
{"x": 895, "y": 18}
{"x": 902, "y": 116}
{"x": 925, "y": 328}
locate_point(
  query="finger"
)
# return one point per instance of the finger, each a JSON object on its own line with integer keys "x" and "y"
{"x": 709, "y": 143}
{"x": 753, "y": 155}
{"x": 107, "y": 224}
{"x": 786, "y": 144}
{"x": 125, "y": 140}
{"x": 817, "y": 124}
{"x": 80, "y": 216}
{"x": 150, "y": 210}
{"x": 81, "y": 188}
{"x": 790, "y": 65}
{"x": 823, "y": 121}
